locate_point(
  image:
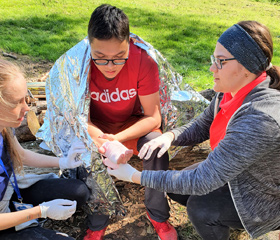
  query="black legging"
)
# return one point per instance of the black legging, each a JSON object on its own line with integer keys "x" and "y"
{"x": 155, "y": 201}
{"x": 212, "y": 214}
{"x": 33, "y": 233}
{"x": 43, "y": 191}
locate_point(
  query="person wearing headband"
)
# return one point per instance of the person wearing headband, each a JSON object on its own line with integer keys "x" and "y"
{"x": 238, "y": 185}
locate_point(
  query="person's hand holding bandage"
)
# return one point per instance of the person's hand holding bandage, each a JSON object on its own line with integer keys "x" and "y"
{"x": 116, "y": 152}
{"x": 116, "y": 159}
{"x": 163, "y": 142}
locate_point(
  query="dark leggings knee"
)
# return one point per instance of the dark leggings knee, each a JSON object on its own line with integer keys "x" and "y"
{"x": 197, "y": 213}
{"x": 81, "y": 192}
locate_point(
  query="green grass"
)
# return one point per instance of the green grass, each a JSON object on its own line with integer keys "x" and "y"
{"x": 184, "y": 31}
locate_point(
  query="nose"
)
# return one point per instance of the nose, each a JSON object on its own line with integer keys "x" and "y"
{"x": 25, "y": 108}
{"x": 213, "y": 68}
{"x": 110, "y": 64}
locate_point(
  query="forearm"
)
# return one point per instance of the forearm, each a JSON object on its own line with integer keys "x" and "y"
{"x": 139, "y": 129}
{"x": 94, "y": 133}
{"x": 241, "y": 147}
{"x": 33, "y": 159}
{"x": 185, "y": 182}
{"x": 8, "y": 220}
{"x": 196, "y": 131}
{"x": 136, "y": 177}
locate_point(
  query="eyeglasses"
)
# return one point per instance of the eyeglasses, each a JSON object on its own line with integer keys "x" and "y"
{"x": 103, "y": 62}
{"x": 218, "y": 61}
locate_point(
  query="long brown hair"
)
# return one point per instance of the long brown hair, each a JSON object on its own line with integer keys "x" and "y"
{"x": 8, "y": 72}
{"x": 261, "y": 34}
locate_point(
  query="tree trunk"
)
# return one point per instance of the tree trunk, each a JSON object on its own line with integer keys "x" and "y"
{"x": 28, "y": 128}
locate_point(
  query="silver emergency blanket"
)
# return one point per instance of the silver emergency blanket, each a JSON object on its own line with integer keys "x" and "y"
{"x": 68, "y": 98}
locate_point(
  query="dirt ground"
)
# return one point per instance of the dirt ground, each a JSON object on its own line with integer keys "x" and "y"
{"x": 135, "y": 224}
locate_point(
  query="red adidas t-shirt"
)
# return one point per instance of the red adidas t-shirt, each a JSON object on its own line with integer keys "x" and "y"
{"x": 116, "y": 100}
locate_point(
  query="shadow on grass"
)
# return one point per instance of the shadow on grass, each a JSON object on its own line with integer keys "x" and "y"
{"x": 184, "y": 40}
{"x": 190, "y": 36}
{"x": 46, "y": 37}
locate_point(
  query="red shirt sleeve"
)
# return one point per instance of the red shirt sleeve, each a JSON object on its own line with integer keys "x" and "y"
{"x": 148, "y": 80}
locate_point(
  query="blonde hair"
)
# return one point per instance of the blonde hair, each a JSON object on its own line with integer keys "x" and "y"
{"x": 8, "y": 71}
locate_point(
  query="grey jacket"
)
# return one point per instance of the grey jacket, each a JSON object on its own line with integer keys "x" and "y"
{"x": 248, "y": 159}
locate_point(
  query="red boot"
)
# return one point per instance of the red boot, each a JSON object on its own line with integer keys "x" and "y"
{"x": 95, "y": 235}
{"x": 165, "y": 230}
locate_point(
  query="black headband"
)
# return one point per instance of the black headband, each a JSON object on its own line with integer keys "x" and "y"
{"x": 243, "y": 47}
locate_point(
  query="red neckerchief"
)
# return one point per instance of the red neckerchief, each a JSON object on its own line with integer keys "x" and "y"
{"x": 228, "y": 107}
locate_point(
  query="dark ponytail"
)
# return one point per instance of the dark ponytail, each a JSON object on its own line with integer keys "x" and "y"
{"x": 261, "y": 34}
{"x": 274, "y": 74}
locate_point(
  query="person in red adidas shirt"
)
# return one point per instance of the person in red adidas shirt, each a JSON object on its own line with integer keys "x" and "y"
{"x": 125, "y": 107}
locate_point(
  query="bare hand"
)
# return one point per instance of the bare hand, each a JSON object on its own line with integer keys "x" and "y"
{"x": 110, "y": 137}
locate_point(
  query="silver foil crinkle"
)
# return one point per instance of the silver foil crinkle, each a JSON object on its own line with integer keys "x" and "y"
{"x": 67, "y": 93}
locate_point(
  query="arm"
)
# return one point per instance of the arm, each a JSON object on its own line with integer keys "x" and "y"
{"x": 115, "y": 151}
{"x": 95, "y": 132}
{"x": 150, "y": 120}
{"x": 136, "y": 177}
{"x": 237, "y": 152}
{"x": 33, "y": 159}
{"x": 57, "y": 209}
{"x": 8, "y": 220}
{"x": 196, "y": 131}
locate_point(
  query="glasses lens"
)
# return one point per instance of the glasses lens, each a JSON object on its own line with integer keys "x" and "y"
{"x": 216, "y": 61}
{"x": 119, "y": 61}
{"x": 101, "y": 62}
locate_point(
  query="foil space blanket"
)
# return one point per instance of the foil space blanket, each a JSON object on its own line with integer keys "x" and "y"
{"x": 68, "y": 101}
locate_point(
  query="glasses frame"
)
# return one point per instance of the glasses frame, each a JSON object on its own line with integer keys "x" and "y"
{"x": 214, "y": 60}
{"x": 109, "y": 60}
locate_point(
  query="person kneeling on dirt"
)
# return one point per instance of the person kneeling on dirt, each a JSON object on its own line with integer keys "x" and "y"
{"x": 238, "y": 185}
{"x": 124, "y": 79}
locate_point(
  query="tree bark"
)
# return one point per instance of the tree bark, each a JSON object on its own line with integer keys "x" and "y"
{"x": 28, "y": 128}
